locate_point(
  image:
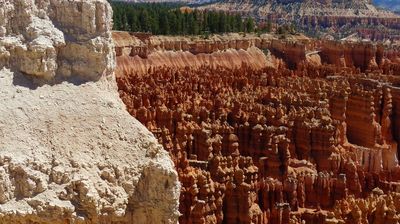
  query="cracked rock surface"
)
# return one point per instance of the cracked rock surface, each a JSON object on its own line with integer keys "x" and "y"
{"x": 70, "y": 152}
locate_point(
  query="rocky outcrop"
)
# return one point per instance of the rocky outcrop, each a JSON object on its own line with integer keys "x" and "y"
{"x": 42, "y": 39}
{"x": 69, "y": 150}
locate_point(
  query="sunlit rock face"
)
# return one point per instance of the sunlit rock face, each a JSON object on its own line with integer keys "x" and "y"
{"x": 57, "y": 39}
{"x": 69, "y": 150}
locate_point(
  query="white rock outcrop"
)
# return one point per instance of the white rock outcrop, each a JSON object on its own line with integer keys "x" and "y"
{"x": 56, "y": 38}
{"x": 69, "y": 151}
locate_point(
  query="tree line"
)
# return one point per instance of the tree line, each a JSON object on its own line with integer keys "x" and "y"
{"x": 173, "y": 19}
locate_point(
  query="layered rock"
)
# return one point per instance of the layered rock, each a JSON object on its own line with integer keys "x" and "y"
{"x": 70, "y": 152}
{"x": 147, "y": 52}
{"x": 335, "y": 17}
{"x": 363, "y": 55}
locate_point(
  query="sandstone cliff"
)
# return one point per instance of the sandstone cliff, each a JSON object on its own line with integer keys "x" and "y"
{"x": 69, "y": 151}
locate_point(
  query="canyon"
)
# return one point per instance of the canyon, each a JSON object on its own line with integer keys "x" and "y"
{"x": 69, "y": 150}
{"x": 115, "y": 127}
{"x": 269, "y": 130}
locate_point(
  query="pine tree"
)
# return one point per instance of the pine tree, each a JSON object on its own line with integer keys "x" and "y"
{"x": 164, "y": 24}
{"x": 221, "y": 23}
{"x": 249, "y": 25}
{"x": 144, "y": 20}
{"x": 238, "y": 24}
{"x": 192, "y": 24}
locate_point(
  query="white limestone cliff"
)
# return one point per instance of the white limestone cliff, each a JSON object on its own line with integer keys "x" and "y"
{"x": 69, "y": 151}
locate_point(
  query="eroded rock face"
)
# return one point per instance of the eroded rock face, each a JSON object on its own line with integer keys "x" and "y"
{"x": 71, "y": 153}
{"x": 340, "y": 16}
{"x": 143, "y": 52}
{"x": 139, "y": 53}
{"x": 279, "y": 145}
{"x": 56, "y": 39}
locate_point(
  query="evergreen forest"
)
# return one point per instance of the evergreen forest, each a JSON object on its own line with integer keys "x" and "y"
{"x": 175, "y": 19}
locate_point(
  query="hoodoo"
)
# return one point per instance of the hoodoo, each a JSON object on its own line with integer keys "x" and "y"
{"x": 312, "y": 139}
{"x": 69, "y": 150}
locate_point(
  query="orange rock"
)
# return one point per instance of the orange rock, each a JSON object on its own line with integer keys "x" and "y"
{"x": 255, "y": 144}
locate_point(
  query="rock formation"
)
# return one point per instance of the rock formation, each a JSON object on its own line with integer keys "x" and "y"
{"x": 70, "y": 152}
{"x": 301, "y": 142}
{"x": 334, "y": 17}
{"x": 152, "y": 52}
{"x": 137, "y": 52}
